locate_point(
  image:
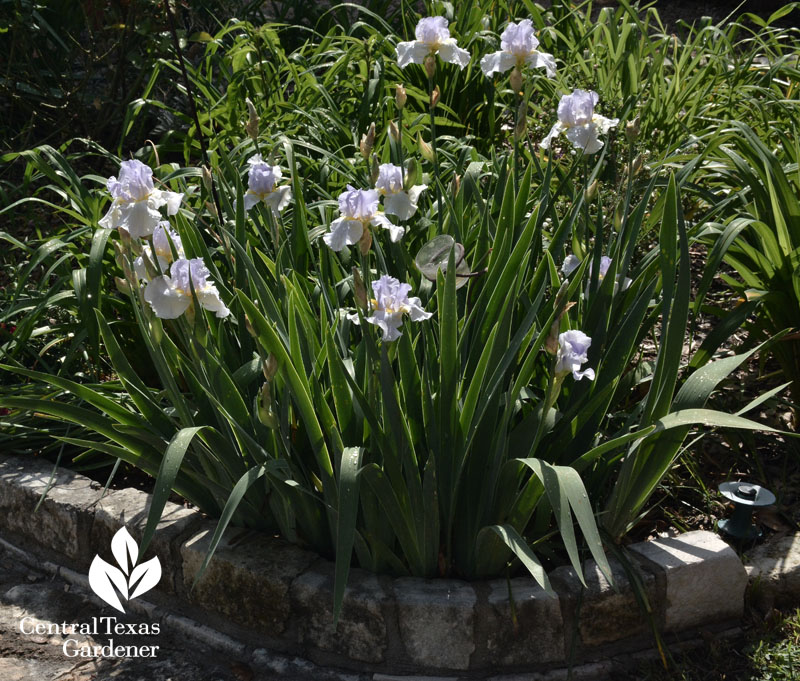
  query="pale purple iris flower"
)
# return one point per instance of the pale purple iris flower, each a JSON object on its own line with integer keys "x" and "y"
{"x": 573, "y": 346}
{"x": 397, "y": 201}
{"x": 518, "y": 47}
{"x": 171, "y": 296}
{"x": 432, "y": 36}
{"x": 359, "y": 210}
{"x": 136, "y": 202}
{"x": 262, "y": 185}
{"x": 583, "y": 126}
{"x": 390, "y": 304}
{"x": 571, "y": 263}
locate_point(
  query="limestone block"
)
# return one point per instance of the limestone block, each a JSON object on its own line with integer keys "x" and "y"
{"x": 538, "y": 634}
{"x": 62, "y": 521}
{"x": 247, "y": 582}
{"x": 705, "y": 580}
{"x": 436, "y": 619}
{"x": 361, "y": 630}
{"x": 130, "y": 508}
{"x": 606, "y": 613}
{"x": 774, "y": 569}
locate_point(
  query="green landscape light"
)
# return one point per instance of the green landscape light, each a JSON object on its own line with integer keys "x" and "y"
{"x": 745, "y": 496}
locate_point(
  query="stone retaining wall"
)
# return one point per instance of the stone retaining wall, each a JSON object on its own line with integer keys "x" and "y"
{"x": 279, "y": 597}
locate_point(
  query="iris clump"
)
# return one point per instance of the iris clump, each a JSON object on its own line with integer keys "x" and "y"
{"x": 573, "y": 349}
{"x": 389, "y": 304}
{"x": 572, "y": 262}
{"x": 358, "y": 210}
{"x": 396, "y": 200}
{"x": 160, "y": 252}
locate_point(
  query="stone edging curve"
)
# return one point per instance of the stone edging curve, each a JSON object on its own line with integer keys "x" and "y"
{"x": 278, "y": 598}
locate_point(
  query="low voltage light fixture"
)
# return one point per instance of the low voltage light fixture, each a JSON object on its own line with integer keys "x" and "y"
{"x": 745, "y": 497}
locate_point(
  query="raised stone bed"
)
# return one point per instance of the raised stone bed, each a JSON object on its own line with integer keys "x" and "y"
{"x": 276, "y": 597}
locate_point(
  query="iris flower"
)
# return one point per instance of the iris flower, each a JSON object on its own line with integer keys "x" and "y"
{"x": 571, "y": 263}
{"x": 136, "y": 201}
{"x": 573, "y": 346}
{"x": 518, "y": 46}
{"x": 390, "y": 304}
{"x": 359, "y": 210}
{"x": 262, "y": 179}
{"x": 170, "y": 296}
{"x": 432, "y": 36}
{"x": 397, "y": 201}
{"x": 583, "y": 126}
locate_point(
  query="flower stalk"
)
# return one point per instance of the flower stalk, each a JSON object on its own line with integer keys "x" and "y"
{"x": 434, "y": 99}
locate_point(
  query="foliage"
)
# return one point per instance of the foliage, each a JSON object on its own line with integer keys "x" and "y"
{"x": 761, "y": 241}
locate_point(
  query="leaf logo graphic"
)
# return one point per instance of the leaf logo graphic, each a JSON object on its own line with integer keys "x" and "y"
{"x": 129, "y": 579}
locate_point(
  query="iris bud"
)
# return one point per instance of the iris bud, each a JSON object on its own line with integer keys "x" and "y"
{"x": 430, "y": 65}
{"x": 251, "y": 127}
{"x": 632, "y": 129}
{"x": 425, "y": 149}
{"x": 368, "y": 141}
{"x": 400, "y": 96}
{"x": 515, "y": 79}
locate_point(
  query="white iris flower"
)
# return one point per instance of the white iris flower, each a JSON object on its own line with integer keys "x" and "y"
{"x": 432, "y": 36}
{"x": 170, "y": 296}
{"x": 576, "y": 115}
{"x": 136, "y": 201}
{"x": 390, "y": 303}
{"x": 359, "y": 210}
{"x": 518, "y": 46}
{"x": 397, "y": 201}
{"x": 262, "y": 179}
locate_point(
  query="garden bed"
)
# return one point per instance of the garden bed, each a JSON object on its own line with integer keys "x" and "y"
{"x": 420, "y": 306}
{"x": 276, "y": 597}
